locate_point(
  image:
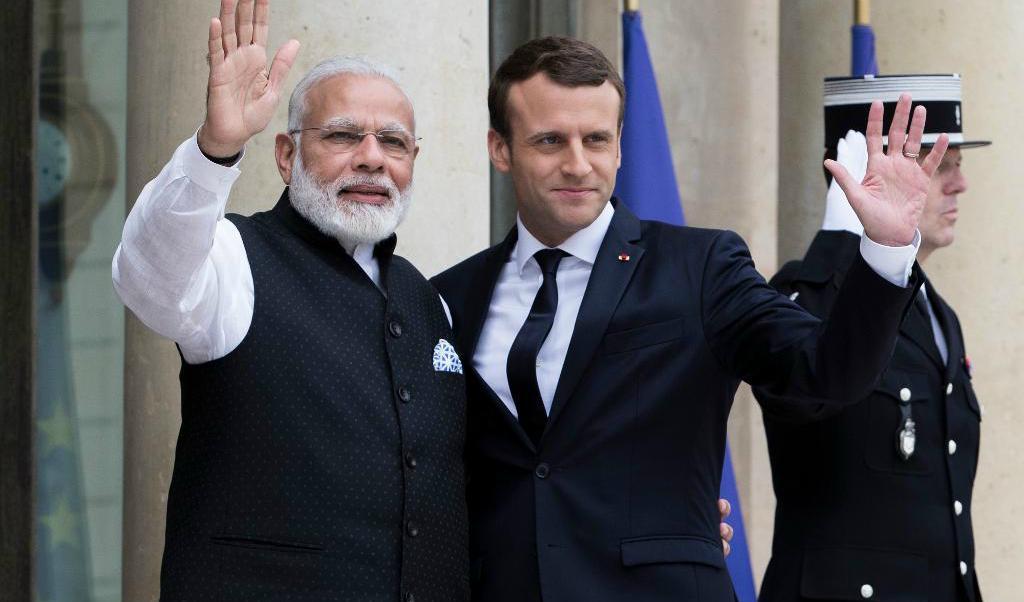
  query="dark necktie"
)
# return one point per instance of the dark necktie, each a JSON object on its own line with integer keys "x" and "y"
{"x": 522, "y": 357}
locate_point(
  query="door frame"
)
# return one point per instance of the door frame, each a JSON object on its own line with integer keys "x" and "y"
{"x": 18, "y": 258}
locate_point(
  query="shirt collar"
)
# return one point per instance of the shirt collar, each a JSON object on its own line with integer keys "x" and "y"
{"x": 363, "y": 253}
{"x": 582, "y": 245}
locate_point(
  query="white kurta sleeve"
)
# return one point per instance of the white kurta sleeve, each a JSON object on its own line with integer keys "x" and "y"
{"x": 181, "y": 267}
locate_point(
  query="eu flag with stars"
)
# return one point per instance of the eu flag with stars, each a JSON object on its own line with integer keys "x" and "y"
{"x": 647, "y": 184}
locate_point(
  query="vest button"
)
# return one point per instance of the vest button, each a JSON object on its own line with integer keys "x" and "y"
{"x": 404, "y": 394}
{"x": 963, "y": 567}
{"x": 958, "y": 508}
{"x": 395, "y": 328}
{"x": 949, "y": 388}
{"x": 905, "y": 394}
{"x": 411, "y": 529}
{"x": 952, "y": 447}
{"x": 410, "y": 460}
{"x": 542, "y": 471}
{"x": 866, "y": 591}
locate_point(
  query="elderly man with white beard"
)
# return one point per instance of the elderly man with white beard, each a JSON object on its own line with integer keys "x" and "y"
{"x": 322, "y": 405}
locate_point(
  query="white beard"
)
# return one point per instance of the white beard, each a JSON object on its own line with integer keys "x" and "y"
{"x": 349, "y": 222}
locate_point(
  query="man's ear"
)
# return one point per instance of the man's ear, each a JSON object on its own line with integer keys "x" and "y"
{"x": 284, "y": 153}
{"x": 499, "y": 150}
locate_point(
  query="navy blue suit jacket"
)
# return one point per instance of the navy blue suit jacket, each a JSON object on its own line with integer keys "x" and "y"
{"x": 618, "y": 500}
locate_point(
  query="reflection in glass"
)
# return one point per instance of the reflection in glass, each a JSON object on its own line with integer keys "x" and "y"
{"x": 80, "y": 324}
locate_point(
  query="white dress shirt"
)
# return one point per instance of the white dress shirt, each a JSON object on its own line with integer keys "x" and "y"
{"x": 182, "y": 268}
{"x": 517, "y": 285}
{"x": 521, "y": 278}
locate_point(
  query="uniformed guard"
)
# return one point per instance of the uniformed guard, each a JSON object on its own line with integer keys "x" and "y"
{"x": 874, "y": 500}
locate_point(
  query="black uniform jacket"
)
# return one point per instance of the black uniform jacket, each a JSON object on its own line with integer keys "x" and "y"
{"x": 855, "y": 519}
{"x": 618, "y": 501}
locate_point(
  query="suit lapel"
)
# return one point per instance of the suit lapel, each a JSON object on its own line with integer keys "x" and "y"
{"x": 918, "y": 329}
{"x": 476, "y": 308}
{"x": 477, "y": 304}
{"x": 607, "y": 283}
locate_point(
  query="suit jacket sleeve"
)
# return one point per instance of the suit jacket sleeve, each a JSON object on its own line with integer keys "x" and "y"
{"x": 797, "y": 361}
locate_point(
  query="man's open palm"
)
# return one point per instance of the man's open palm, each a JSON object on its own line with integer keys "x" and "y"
{"x": 891, "y": 197}
{"x": 242, "y": 93}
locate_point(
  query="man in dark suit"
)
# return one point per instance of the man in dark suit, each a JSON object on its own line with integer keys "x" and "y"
{"x": 874, "y": 500}
{"x": 603, "y": 352}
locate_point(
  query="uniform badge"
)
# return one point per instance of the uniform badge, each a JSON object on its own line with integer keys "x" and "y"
{"x": 445, "y": 358}
{"x": 906, "y": 439}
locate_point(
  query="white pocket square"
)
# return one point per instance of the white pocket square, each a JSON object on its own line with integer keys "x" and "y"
{"x": 445, "y": 358}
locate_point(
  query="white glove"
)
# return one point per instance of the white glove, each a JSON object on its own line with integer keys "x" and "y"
{"x": 851, "y": 153}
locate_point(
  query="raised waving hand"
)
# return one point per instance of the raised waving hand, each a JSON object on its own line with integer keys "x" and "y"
{"x": 242, "y": 92}
{"x": 890, "y": 198}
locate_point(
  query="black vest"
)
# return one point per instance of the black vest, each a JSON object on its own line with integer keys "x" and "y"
{"x": 322, "y": 458}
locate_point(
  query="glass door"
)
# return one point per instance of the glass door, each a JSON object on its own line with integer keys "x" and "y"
{"x": 81, "y": 53}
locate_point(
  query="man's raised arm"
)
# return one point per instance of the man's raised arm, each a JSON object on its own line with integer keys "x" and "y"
{"x": 180, "y": 267}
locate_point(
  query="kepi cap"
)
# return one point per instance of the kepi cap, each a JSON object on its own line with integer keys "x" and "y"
{"x": 848, "y": 100}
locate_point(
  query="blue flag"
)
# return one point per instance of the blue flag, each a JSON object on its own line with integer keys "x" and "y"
{"x": 647, "y": 184}
{"x": 647, "y": 179}
{"x": 862, "y": 51}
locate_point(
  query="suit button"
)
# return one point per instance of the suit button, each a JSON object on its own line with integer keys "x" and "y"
{"x": 905, "y": 394}
{"x": 410, "y": 460}
{"x": 404, "y": 394}
{"x": 542, "y": 471}
{"x": 395, "y": 328}
{"x": 411, "y": 529}
{"x": 952, "y": 447}
{"x": 949, "y": 388}
{"x": 958, "y": 508}
{"x": 963, "y": 567}
{"x": 409, "y": 597}
{"x": 866, "y": 591}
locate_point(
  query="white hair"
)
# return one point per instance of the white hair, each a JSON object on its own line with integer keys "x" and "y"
{"x": 339, "y": 65}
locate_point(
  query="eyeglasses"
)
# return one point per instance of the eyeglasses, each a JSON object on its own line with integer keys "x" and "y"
{"x": 394, "y": 143}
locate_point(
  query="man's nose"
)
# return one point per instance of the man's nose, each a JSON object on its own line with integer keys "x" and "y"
{"x": 957, "y": 183}
{"x": 368, "y": 155}
{"x": 576, "y": 163}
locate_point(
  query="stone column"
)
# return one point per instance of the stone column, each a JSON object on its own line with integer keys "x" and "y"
{"x": 979, "y": 273}
{"x": 439, "y": 48}
{"x": 717, "y": 71}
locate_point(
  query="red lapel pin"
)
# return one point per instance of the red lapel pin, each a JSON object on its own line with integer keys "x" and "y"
{"x": 623, "y": 257}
